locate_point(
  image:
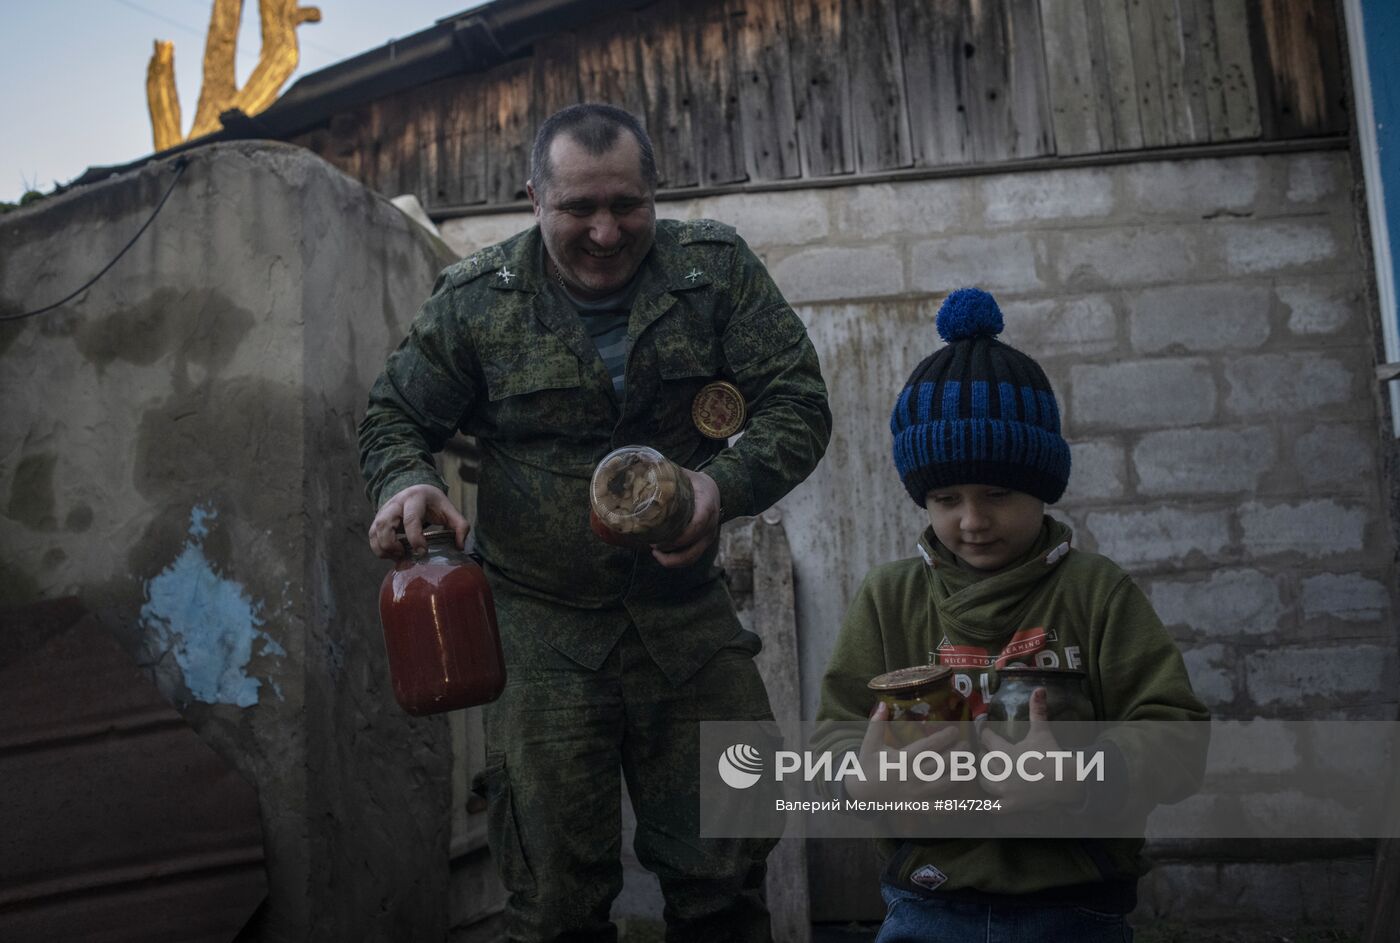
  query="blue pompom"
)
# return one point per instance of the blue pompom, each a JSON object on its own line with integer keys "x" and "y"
{"x": 969, "y": 312}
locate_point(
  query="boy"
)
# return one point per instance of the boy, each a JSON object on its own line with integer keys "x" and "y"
{"x": 977, "y": 443}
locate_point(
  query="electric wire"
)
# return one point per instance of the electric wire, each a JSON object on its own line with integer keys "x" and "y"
{"x": 246, "y": 54}
{"x": 180, "y": 164}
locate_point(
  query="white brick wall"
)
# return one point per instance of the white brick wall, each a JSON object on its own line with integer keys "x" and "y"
{"x": 1098, "y": 471}
{"x": 1251, "y": 248}
{"x": 470, "y": 233}
{"x": 1212, "y": 674}
{"x": 1131, "y": 255}
{"x": 1017, "y": 199}
{"x": 1141, "y": 394}
{"x": 1318, "y": 306}
{"x": 1319, "y": 528}
{"x": 1199, "y": 318}
{"x": 1203, "y": 461}
{"x": 1283, "y": 384}
{"x": 997, "y": 263}
{"x": 1337, "y": 457}
{"x": 1077, "y": 326}
{"x": 1226, "y": 604}
{"x": 878, "y": 211}
{"x": 1194, "y": 188}
{"x": 1161, "y": 535}
{"x": 1312, "y": 178}
{"x": 763, "y": 219}
{"x": 1350, "y": 597}
{"x": 1300, "y": 677}
{"x": 1206, "y": 327}
{"x": 825, "y": 273}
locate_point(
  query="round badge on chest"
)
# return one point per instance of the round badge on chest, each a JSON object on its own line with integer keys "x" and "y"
{"x": 718, "y": 410}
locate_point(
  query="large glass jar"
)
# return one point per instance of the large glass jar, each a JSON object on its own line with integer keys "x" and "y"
{"x": 639, "y": 498}
{"x": 440, "y": 629}
{"x": 1010, "y": 706}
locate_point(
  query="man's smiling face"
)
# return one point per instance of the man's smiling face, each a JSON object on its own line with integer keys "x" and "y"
{"x": 597, "y": 214}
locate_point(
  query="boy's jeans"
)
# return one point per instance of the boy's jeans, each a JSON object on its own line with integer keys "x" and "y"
{"x": 911, "y": 918}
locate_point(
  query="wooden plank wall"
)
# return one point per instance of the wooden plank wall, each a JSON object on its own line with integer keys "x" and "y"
{"x": 737, "y": 91}
{"x": 1129, "y": 74}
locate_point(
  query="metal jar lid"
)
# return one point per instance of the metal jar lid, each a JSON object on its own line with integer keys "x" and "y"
{"x": 431, "y": 532}
{"x": 909, "y": 679}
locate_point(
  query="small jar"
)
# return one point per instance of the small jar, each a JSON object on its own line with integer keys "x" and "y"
{"x": 1010, "y": 706}
{"x": 440, "y": 629}
{"x": 918, "y": 695}
{"x": 639, "y": 498}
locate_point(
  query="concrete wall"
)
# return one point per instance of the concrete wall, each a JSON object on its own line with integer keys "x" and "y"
{"x": 177, "y": 448}
{"x": 1204, "y": 325}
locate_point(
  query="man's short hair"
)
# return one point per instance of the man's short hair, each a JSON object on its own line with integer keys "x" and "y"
{"x": 595, "y": 127}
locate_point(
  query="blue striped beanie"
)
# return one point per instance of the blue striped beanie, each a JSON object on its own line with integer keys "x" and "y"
{"x": 978, "y": 412}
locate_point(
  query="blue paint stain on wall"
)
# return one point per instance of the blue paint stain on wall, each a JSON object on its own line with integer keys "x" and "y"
{"x": 208, "y": 622}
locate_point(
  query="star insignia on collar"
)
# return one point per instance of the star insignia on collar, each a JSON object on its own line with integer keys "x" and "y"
{"x": 693, "y": 275}
{"x": 507, "y": 275}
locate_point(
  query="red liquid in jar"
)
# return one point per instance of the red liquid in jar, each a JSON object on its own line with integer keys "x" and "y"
{"x": 440, "y": 633}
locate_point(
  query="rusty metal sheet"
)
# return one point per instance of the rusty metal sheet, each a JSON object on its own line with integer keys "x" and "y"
{"x": 116, "y": 821}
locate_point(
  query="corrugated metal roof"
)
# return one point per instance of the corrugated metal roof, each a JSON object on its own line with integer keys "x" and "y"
{"x": 117, "y": 822}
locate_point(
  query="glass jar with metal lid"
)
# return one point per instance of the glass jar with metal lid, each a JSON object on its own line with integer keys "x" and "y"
{"x": 440, "y": 628}
{"x": 918, "y": 695}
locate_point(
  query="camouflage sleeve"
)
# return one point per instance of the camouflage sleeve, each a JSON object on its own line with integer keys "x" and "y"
{"x": 775, "y": 366}
{"x": 418, "y": 402}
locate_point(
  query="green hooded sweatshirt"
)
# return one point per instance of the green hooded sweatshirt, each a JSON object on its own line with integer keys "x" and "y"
{"x": 1054, "y": 607}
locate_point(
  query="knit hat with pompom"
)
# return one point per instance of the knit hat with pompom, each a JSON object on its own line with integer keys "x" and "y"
{"x": 978, "y": 412}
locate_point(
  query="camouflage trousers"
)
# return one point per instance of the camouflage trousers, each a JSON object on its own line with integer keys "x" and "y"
{"x": 559, "y": 741}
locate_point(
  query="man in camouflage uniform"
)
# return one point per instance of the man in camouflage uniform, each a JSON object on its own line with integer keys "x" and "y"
{"x": 613, "y": 656}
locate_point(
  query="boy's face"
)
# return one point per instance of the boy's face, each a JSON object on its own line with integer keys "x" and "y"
{"x": 985, "y": 526}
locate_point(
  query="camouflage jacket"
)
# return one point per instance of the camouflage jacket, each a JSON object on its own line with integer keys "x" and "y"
{"x": 496, "y": 354}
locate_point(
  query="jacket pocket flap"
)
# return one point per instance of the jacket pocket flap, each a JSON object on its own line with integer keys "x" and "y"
{"x": 530, "y": 374}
